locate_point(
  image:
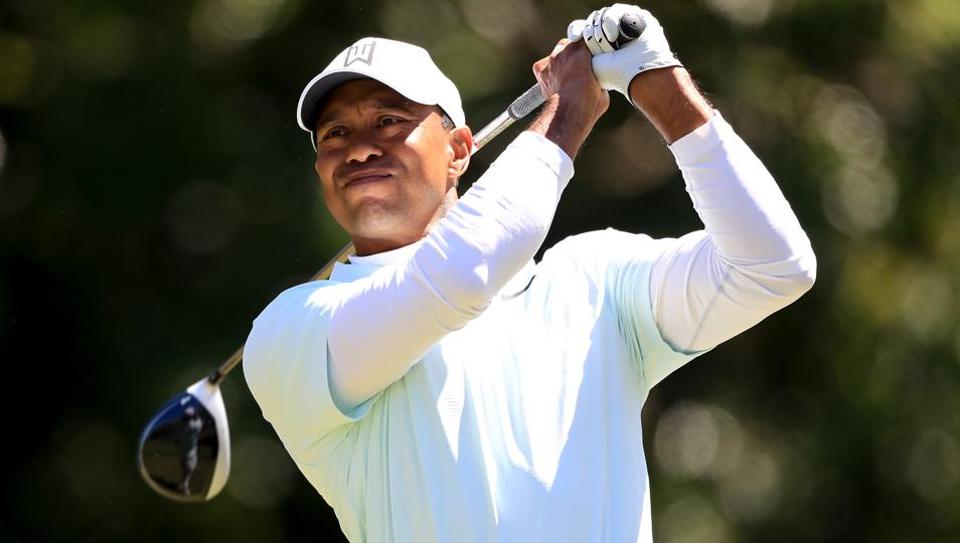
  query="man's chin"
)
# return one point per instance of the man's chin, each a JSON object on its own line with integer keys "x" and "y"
{"x": 376, "y": 219}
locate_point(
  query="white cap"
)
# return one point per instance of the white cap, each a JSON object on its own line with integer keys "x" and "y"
{"x": 405, "y": 68}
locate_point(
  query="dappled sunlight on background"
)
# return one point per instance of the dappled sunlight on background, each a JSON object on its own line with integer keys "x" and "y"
{"x": 744, "y": 12}
{"x": 693, "y": 519}
{"x": 225, "y": 25}
{"x": 20, "y": 63}
{"x": 203, "y": 217}
{"x": 102, "y": 45}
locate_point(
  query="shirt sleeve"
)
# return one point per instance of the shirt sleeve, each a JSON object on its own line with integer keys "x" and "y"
{"x": 751, "y": 259}
{"x": 324, "y": 355}
{"x": 285, "y": 363}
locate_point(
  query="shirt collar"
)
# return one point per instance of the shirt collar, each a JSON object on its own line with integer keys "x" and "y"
{"x": 364, "y": 266}
{"x": 393, "y": 256}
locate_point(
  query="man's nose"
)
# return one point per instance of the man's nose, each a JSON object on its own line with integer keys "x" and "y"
{"x": 363, "y": 148}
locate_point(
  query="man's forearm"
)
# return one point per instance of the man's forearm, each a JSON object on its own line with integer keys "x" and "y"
{"x": 562, "y": 124}
{"x": 575, "y": 100}
{"x": 671, "y": 101}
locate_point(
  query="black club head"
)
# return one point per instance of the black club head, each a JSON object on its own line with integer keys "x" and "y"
{"x": 184, "y": 451}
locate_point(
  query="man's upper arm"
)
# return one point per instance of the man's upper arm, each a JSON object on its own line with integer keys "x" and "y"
{"x": 285, "y": 363}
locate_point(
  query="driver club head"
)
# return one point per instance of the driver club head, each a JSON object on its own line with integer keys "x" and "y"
{"x": 184, "y": 451}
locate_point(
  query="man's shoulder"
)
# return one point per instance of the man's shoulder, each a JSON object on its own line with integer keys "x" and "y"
{"x": 302, "y": 309}
{"x": 600, "y": 253}
{"x": 605, "y": 244}
{"x": 310, "y": 295}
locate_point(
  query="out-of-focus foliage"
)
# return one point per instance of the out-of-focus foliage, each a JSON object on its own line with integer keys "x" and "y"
{"x": 155, "y": 193}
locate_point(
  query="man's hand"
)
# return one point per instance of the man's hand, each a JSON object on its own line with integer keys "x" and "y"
{"x": 644, "y": 70}
{"x": 617, "y": 61}
{"x": 575, "y": 100}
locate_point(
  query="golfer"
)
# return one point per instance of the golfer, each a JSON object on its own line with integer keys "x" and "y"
{"x": 443, "y": 387}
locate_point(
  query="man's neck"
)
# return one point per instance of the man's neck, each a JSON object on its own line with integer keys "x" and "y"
{"x": 371, "y": 246}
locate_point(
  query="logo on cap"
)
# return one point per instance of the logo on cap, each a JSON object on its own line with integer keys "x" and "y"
{"x": 362, "y": 52}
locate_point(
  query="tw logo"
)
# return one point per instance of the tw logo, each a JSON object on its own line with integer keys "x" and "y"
{"x": 361, "y": 52}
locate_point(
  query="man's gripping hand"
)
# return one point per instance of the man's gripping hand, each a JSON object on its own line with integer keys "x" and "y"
{"x": 616, "y": 63}
{"x": 575, "y": 100}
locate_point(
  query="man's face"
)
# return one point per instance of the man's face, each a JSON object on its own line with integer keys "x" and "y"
{"x": 386, "y": 164}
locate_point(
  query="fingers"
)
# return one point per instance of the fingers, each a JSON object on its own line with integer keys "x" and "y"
{"x": 601, "y": 29}
{"x": 575, "y": 30}
{"x": 625, "y": 40}
{"x": 593, "y": 37}
{"x": 565, "y": 47}
{"x": 560, "y": 46}
{"x": 567, "y": 63}
{"x": 610, "y": 23}
{"x": 567, "y": 51}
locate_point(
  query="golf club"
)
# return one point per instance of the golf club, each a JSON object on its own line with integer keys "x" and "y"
{"x": 184, "y": 451}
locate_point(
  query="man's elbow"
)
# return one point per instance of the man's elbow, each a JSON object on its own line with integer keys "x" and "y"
{"x": 801, "y": 278}
{"x": 807, "y": 264}
{"x": 775, "y": 284}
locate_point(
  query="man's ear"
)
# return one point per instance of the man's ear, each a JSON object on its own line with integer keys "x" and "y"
{"x": 461, "y": 147}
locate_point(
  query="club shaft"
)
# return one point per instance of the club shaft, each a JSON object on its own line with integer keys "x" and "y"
{"x": 519, "y": 108}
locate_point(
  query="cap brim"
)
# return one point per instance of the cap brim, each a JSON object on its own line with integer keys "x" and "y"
{"x": 312, "y": 97}
{"x": 313, "y": 94}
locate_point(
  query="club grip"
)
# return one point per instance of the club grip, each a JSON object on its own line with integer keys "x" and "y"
{"x": 631, "y": 26}
{"x": 526, "y": 103}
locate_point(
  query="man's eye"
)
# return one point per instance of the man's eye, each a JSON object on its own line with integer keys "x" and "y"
{"x": 332, "y": 133}
{"x": 386, "y": 121}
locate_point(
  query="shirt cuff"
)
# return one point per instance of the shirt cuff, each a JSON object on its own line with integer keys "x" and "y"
{"x": 706, "y": 137}
{"x": 531, "y": 144}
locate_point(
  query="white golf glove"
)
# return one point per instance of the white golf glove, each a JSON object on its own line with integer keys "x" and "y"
{"x": 616, "y": 63}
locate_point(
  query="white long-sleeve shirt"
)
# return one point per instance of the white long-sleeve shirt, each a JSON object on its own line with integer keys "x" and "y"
{"x": 752, "y": 259}
{"x": 453, "y": 390}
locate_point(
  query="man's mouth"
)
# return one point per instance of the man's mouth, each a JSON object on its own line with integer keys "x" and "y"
{"x": 366, "y": 177}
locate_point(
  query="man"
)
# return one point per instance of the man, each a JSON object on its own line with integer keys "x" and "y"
{"x": 192, "y": 426}
{"x": 442, "y": 386}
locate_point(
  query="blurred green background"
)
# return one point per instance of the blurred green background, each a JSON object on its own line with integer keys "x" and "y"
{"x": 155, "y": 194}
